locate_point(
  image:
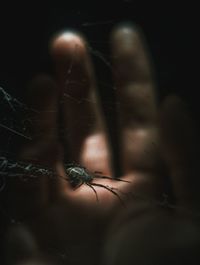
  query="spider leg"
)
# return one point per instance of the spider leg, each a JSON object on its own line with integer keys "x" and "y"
{"x": 98, "y": 172}
{"x": 88, "y": 184}
{"x": 55, "y": 175}
{"x": 111, "y": 190}
{"x": 105, "y": 177}
{"x": 78, "y": 186}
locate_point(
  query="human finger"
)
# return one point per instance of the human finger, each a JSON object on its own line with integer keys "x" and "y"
{"x": 180, "y": 145}
{"x": 79, "y": 113}
{"x": 133, "y": 75}
{"x": 42, "y": 100}
{"x": 43, "y": 151}
{"x": 136, "y": 97}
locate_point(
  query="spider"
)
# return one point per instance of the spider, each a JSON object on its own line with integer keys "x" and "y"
{"x": 76, "y": 175}
{"x": 79, "y": 175}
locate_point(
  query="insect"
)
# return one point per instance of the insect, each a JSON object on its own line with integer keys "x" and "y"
{"x": 79, "y": 175}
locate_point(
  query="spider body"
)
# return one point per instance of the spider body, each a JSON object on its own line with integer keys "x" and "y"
{"x": 78, "y": 176}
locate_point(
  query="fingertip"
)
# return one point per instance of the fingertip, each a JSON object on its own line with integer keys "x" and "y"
{"x": 124, "y": 28}
{"x": 66, "y": 43}
{"x": 175, "y": 114}
{"x": 125, "y": 36}
{"x": 40, "y": 90}
{"x": 131, "y": 58}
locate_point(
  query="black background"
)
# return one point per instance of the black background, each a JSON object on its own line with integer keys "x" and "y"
{"x": 170, "y": 31}
{"x": 26, "y": 30}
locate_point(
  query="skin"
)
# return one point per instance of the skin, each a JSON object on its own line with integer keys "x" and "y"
{"x": 150, "y": 136}
{"x": 89, "y": 146}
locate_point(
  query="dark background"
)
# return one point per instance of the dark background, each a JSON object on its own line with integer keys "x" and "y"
{"x": 26, "y": 30}
{"x": 171, "y": 33}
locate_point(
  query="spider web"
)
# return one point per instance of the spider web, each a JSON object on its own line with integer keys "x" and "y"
{"x": 14, "y": 127}
{"x": 15, "y": 120}
{"x": 10, "y": 166}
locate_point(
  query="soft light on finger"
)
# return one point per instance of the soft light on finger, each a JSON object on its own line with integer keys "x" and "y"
{"x": 79, "y": 113}
{"x": 135, "y": 89}
{"x": 133, "y": 73}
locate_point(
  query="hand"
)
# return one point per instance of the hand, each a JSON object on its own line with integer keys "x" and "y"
{"x": 71, "y": 101}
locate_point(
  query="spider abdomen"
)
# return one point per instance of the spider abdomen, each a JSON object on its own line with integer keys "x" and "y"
{"x": 78, "y": 175}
